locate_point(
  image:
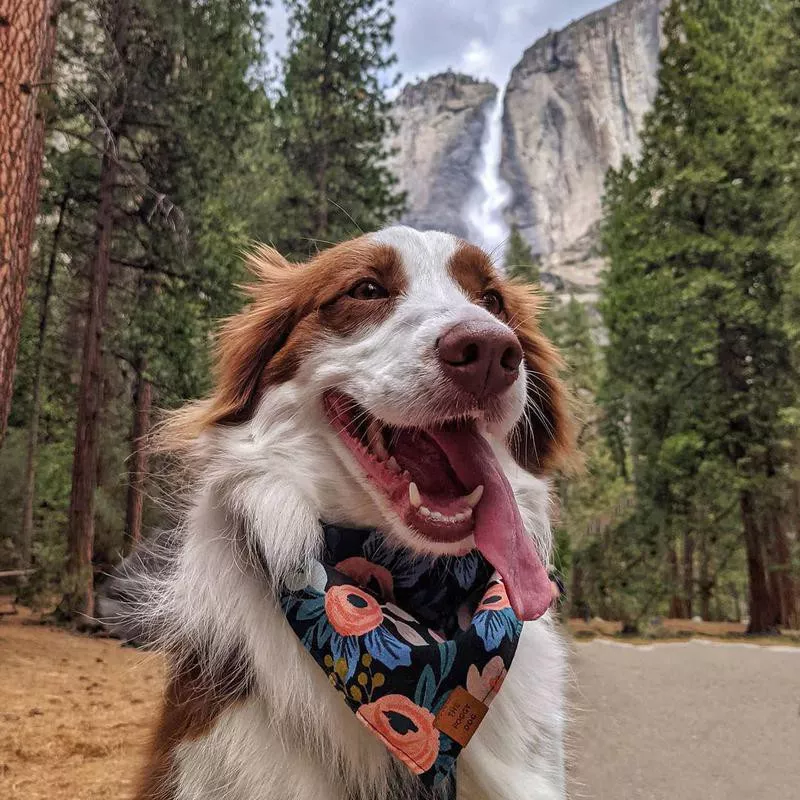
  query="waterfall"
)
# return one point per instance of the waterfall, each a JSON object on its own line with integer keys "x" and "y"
{"x": 484, "y": 210}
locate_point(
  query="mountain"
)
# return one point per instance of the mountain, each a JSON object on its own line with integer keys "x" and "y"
{"x": 573, "y": 107}
{"x": 439, "y": 126}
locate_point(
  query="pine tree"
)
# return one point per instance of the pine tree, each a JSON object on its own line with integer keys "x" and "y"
{"x": 520, "y": 261}
{"x": 333, "y": 120}
{"x": 569, "y": 326}
{"x": 26, "y": 529}
{"x": 183, "y": 209}
{"x": 79, "y": 595}
{"x": 592, "y": 499}
{"x": 786, "y": 156}
{"x": 172, "y": 83}
{"x": 696, "y": 296}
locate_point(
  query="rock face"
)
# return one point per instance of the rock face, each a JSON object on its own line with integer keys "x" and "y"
{"x": 440, "y": 124}
{"x": 574, "y": 271}
{"x": 573, "y": 108}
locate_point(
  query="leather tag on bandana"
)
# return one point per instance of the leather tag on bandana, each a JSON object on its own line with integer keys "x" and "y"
{"x": 460, "y": 716}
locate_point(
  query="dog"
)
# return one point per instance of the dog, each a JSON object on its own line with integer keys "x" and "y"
{"x": 364, "y": 388}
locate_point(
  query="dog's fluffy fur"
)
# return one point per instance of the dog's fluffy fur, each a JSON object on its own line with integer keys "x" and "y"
{"x": 247, "y": 713}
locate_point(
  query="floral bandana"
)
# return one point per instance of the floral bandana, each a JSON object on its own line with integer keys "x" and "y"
{"x": 417, "y": 647}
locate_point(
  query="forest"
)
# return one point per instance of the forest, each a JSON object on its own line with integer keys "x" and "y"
{"x": 160, "y": 140}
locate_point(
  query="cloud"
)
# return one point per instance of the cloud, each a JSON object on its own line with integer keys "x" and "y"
{"x": 483, "y": 39}
{"x": 512, "y": 14}
{"x": 477, "y": 59}
{"x": 480, "y": 38}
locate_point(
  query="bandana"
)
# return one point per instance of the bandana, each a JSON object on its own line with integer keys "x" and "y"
{"x": 417, "y": 647}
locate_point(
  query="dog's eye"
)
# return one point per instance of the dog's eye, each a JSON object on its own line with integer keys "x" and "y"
{"x": 368, "y": 290}
{"x": 492, "y": 301}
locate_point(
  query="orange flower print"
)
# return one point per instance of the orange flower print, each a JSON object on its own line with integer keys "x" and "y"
{"x": 351, "y": 611}
{"x": 405, "y": 728}
{"x": 495, "y": 599}
{"x": 368, "y": 575}
{"x": 485, "y": 685}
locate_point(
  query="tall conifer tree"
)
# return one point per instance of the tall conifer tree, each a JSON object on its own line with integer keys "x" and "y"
{"x": 520, "y": 261}
{"x": 696, "y": 296}
{"x": 333, "y": 115}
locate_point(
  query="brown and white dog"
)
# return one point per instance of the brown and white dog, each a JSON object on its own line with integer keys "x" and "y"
{"x": 319, "y": 380}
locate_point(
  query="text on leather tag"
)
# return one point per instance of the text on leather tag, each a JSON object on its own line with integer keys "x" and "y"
{"x": 460, "y": 716}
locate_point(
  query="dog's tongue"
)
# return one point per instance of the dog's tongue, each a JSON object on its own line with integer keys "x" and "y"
{"x": 499, "y": 532}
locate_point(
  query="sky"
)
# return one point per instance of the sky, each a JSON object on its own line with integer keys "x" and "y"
{"x": 483, "y": 38}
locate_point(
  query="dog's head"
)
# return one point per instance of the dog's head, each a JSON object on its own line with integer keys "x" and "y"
{"x": 413, "y": 353}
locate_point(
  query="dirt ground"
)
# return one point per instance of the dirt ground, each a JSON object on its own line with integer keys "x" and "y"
{"x": 74, "y": 714}
{"x": 687, "y": 720}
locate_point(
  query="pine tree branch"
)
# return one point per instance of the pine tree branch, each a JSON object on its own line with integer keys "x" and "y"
{"x": 163, "y": 204}
{"x": 159, "y": 270}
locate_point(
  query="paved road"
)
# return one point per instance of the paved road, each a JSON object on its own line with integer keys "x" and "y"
{"x": 687, "y": 721}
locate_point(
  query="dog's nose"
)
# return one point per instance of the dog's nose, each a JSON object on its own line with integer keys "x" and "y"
{"x": 479, "y": 357}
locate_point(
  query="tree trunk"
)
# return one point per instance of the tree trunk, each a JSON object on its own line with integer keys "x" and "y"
{"x": 143, "y": 400}
{"x": 675, "y": 604}
{"x": 737, "y": 605}
{"x": 322, "y": 190}
{"x": 688, "y": 574}
{"x": 79, "y": 579}
{"x": 324, "y": 154}
{"x": 27, "y": 43}
{"x": 762, "y": 617}
{"x": 575, "y": 598}
{"x": 775, "y": 587}
{"x": 705, "y": 582}
{"x": 783, "y": 580}
{"x": 794, "y": 575}
{"x": 79, "y": 596}
{"x": 29, "y": 494}
{"x": 742, "y": 435}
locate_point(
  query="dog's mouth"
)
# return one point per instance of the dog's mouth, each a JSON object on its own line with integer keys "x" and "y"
{"x": 445, "y": 484}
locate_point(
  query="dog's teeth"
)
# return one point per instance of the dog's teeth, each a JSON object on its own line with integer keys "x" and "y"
{"x": 460, "y": 517}
{"x": 375, "y": 439}
{"x": 393, "y": 465}
{"x": 380, "y": 448}
{"x": 414, "y": 495}
{"x": 437, "y": 516}
{"x": 424, "y": 510}
{"x": 474, "y": 497}
{"x": 466, "y": 513}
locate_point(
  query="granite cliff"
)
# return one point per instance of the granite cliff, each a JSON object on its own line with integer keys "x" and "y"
{"x": 440, "y": 123}
{"x": 574, "y": 106}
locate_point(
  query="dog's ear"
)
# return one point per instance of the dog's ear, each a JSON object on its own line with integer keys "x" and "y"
{"x": 246, "y": 344}
{"x": 544, "y": 438}
{"x": 248, "y": 341}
